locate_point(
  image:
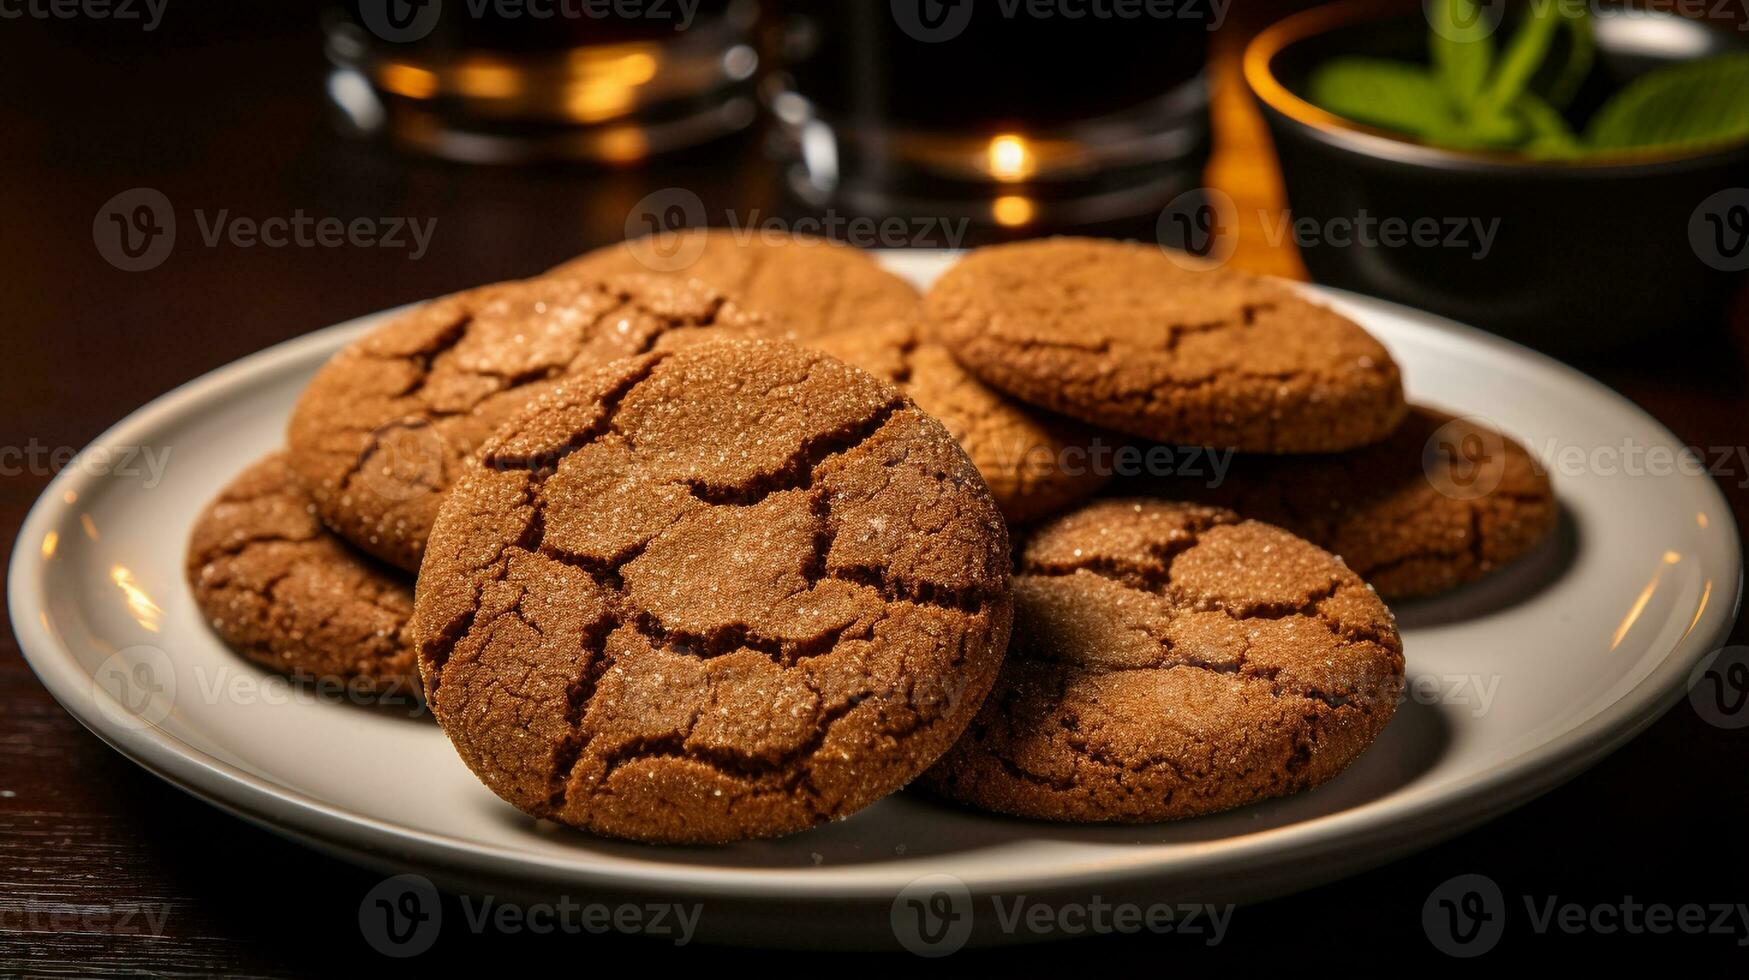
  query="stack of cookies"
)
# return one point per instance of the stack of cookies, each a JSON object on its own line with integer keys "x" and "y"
{"x": 699, "y": 539}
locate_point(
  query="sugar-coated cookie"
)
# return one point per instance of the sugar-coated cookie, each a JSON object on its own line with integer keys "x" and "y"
{"x": 1035, "y": 462}
{"x": 282, "y": 590}
{"x": 812, "y": 281}
{"x": 1118, "y": 335}
{"x": 729, "y": 591}
{"x": 383, "y": 429}
{"x": 1171, "y": 660}
{"x": 1441, "y": 502}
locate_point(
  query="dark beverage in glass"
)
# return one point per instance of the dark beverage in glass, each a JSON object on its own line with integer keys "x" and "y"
{"x": 508, "y": 80}
{"x": 1011, "y": 112}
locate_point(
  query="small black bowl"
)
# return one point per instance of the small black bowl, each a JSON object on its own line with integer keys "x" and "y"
{"x": 1584, "y": 255}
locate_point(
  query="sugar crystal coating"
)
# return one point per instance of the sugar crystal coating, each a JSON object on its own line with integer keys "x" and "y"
{"x": 1171, "y": 660}
{"x": 722, "y": 592}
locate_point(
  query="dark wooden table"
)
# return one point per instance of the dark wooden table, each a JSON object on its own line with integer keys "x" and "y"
{"x": 219, "y": 109}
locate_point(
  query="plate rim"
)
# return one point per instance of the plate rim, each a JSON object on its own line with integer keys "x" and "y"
{"x": 1454, "y": 808}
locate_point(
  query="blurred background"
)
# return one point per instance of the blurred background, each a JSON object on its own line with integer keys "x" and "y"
{"x": 192, "y": 180}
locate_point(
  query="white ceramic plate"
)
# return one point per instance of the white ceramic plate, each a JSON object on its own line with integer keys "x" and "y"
{"x": 1573, "y": 651}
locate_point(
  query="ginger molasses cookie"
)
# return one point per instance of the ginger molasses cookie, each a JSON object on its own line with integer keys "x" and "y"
{"x": 1118, "y": 335}
{"x": 809, "y": 280}
{"x": 1171, "y": 660}
{"x": 1035, "y": 462}
{"x": 724, "y": 592}
{"x": 282, "y": 590}
{"x": 382, "y": 430}
{"x": 1441, "y": 502}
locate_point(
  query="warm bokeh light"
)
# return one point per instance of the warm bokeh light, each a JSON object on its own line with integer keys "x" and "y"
{"x": 1010, "y": 158}
{"x": 1012, "y": 210}
{"x": 406, "y": 80}
{"x": 482, "y": 78}
{"x": 623, "y": 144}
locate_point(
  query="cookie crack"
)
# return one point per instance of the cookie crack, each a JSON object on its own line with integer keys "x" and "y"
{"x": 546, "y": 461}
{"x": 797, "y": 472}
{"x": 915, "y": 591}
{"x": 424, "y": 360}
{"x": 736, "y": 637}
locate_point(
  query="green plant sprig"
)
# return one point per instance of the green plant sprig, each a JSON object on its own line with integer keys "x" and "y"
{"x": 1477, "y": 96}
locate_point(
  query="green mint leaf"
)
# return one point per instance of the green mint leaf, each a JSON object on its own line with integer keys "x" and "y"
{"x": 1502, "y": 130}
{"x": 1524, "y": 54}
{"x": 1550, "y": 136}
{"x": 1581, "y": 55}
{"x": 1463, "y": 49}
{"x": 1689, "y": 104}
{"x": 1388, "y": 94}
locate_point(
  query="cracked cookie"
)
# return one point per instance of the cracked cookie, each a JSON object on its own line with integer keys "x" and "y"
{"x": 809, "y": 280}
{"x": 282, "y": 590}
{"x": 383, "y": 429}
{"x": 1171, "y": 660}
{"x": 723, "y": 592}
{"x": 1441, "y": 502}
{"x": 1118, "y": 335}
{"x": 1035, "y": 462}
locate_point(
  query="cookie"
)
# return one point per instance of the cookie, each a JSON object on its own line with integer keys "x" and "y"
{"x": 1171, "y": 660}
{"x": 809, "y": 280}
{"x": 384, "y": 427}
{"x": 282, "y": 590}
{"x": 724, "y": 592}
{"x": 1035, "y": 462}
{"x": 1441, "y": 502}
{"x": 1118, "y": 335}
